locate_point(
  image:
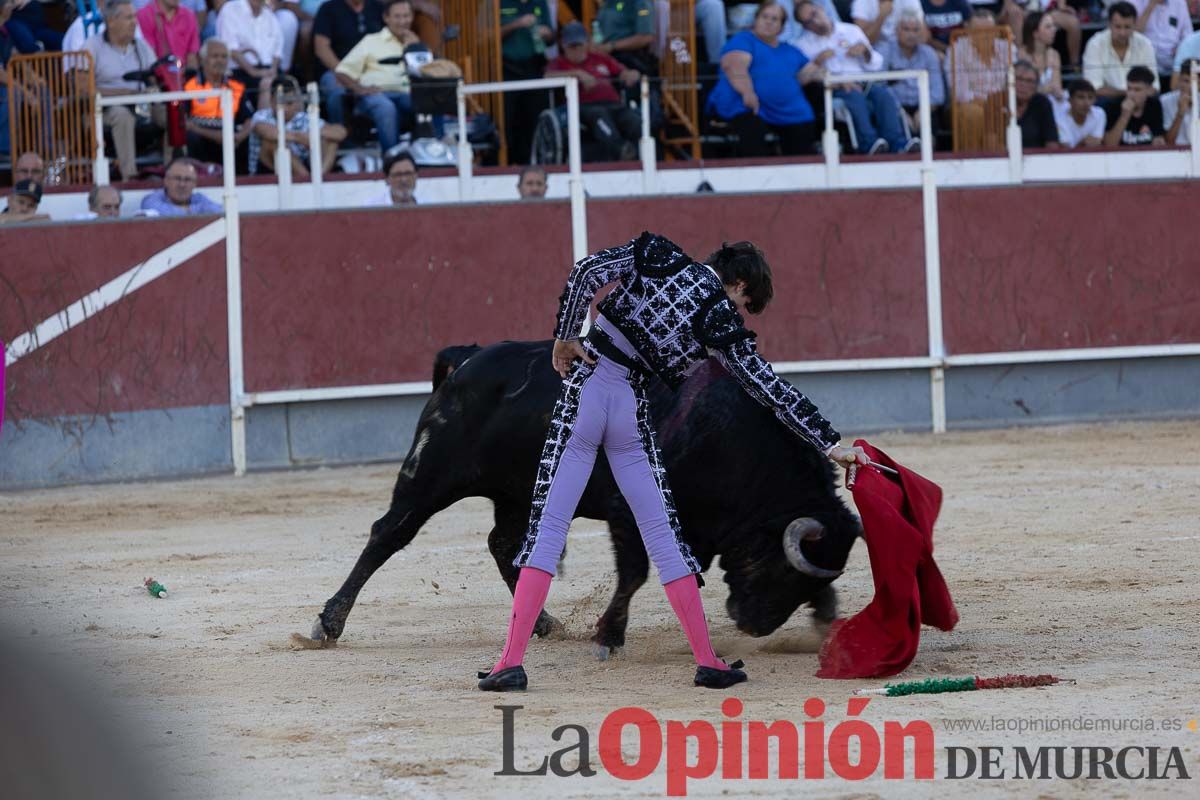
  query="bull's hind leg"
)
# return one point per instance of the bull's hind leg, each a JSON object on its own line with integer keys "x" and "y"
{"x": 504, "y": 542}
{"x": 393, "y": 531}
{"x": 633, "y": 566}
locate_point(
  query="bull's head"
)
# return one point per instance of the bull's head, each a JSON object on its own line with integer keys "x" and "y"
{"x": 782, "y": 565}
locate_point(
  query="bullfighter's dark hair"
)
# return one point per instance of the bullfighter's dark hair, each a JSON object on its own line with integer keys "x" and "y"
{"x": 742, "y": 261}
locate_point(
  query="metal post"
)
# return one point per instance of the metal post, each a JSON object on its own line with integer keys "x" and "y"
{"x": 1194, "y": 124}
{"x": 100, "y": 174}
{"x": 829, "y": 140}
{"x": 315, "y": 153}
{"x": 933, "y": 261}
{"x": 465, "y": 156}
{"x": 233, "y": 290}
{"x": 646, "y": 145}
{"x": 1012, "y": 132}
{"x": 283, "y": 156}
{"x": 579, "y": 237}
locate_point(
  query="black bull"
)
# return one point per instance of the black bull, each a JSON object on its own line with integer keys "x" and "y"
{"x": 747, "y": 490}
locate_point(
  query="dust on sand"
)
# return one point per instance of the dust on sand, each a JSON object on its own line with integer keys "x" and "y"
{"x": 1071, "y": 550}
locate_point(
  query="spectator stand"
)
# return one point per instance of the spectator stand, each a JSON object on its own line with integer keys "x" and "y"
{"x": 49, "y": 109}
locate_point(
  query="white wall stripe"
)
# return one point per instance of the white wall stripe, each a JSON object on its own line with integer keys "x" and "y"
{"x": 124, "y": 285}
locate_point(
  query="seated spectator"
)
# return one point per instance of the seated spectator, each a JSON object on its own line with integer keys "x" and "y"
{"x": 759, "y": 90}
{"x": 285, "y": 94}
{"x": 29, "y": 31}
{"x": 29, "y": 167}
{"x": 842, "y": 49}
{"x": 944, "y": 17}
{"x": 1110, "y": 53}
{"x": 532, "y": 183}
{"x": 1080, "y": 123}
{"x": 178, "y": 197}
{"x": 204, "y": 116}
{"x": 1037, "y": 47}
{"x": 878, "y": 18}
{"x": 1177, "y": 105}
{"x": 23, "y": 203}
{"x": 612, "y": 124}
{"x": 400, "y": 173}
{"x": 1035, "y": 115}
{"x": 169, "y": 27}
{"x": 382, "y": 90}
{"x": 710, "y": 19}
{"x": 1189, "y": 48}
{"x": 338, "y": 27}
{"x": 1006, "y": 12}
{"x": 627, "y": 31}
{"x": 1166, "y": 23}
{"x": 104, "y": 202}
{"x": 976, "y": 75}
{"x": 525, "y": 31}
{"x": 77, "y": 34}
{"x": 1066, "y": 17}
{"x": 908, "y": 53}
{"x": 254, "y": 38}
{"x": 1138, "y": 120}
{"x": 116, "y": 52}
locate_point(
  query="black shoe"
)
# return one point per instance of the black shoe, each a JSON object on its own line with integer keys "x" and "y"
{"x": 512, "y": 679}
{"x": 711, "y": 678}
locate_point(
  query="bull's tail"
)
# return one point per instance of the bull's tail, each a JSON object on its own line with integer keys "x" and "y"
{"x": 449, "y": 359}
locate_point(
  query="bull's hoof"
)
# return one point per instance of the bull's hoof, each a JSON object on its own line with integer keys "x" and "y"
{"x": 547, "y": 626}
{"x": 603, "y": 652}
{"x": 321, "y": 636}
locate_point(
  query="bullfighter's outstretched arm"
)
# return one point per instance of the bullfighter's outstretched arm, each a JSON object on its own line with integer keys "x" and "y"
{"x": 588, "y": 277}
{"x": 725, "y": 335}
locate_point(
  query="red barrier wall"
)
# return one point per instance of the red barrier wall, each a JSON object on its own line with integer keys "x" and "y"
{"x": 1048, "y": 267}
{"x": 369, "y": 296}
{"x": 162, "y": 347}
{"x": 404, "y": 283}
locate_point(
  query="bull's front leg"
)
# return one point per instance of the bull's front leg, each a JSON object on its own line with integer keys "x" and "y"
{"x": 633, "y": 565}
{"x": 504, "y": 542}
{"x": 389, "y": 534}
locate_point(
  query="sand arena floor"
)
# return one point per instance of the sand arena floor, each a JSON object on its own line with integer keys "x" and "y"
{"x": 1069, "y": 550}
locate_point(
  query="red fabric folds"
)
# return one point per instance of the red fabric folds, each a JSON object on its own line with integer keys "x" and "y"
{"x": 898, "y": 514}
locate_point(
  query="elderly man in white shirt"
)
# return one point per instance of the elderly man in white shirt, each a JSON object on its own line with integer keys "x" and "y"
{"x": 1110, "y": 54}
{"x": 878, "y": 18}
{"x": 254, "y": 38}
{"x": 1166, "y": 24}
{"x": 841, "y": 48}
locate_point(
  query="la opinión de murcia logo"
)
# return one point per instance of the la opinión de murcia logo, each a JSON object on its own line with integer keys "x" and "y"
{"x": 736, "y": 749}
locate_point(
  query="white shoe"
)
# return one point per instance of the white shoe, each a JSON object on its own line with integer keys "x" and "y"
{"x": 914, "y": 145}
{"x": 880, "y": 146}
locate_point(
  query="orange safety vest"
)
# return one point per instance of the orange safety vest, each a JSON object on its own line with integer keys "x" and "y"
{"x": 210, "y": 107}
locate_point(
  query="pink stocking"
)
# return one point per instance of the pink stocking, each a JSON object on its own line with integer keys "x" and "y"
{"x": 532, "y": 587}
{"x": 684, "y": 594}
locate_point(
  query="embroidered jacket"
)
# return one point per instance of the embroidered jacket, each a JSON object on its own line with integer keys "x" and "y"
{"x": 675, "y": 313}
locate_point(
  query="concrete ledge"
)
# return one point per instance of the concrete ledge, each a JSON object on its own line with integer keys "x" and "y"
{"x": 147, "y": 445}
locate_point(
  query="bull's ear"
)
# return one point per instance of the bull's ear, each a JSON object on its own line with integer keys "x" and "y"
{"x": 797, "y": 531}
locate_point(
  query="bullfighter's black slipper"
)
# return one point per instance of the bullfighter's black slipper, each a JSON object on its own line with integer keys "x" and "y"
{"x": 711, "y": 678}
{"x": 512, "y": 679}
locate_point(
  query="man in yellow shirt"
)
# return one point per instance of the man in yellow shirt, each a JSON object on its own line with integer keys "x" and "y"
{"x": 381, "y": 90}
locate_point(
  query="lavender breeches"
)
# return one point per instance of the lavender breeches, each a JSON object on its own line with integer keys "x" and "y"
{"x": 605, "y": 406}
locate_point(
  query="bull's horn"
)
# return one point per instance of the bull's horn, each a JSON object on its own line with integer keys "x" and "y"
{"x": 797, "y": 531}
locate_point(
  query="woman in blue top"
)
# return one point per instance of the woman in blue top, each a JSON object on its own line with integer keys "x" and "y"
{"x": 760, "y": 87}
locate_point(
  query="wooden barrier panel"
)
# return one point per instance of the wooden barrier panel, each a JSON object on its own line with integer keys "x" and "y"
{"x": 51, "y": 112}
